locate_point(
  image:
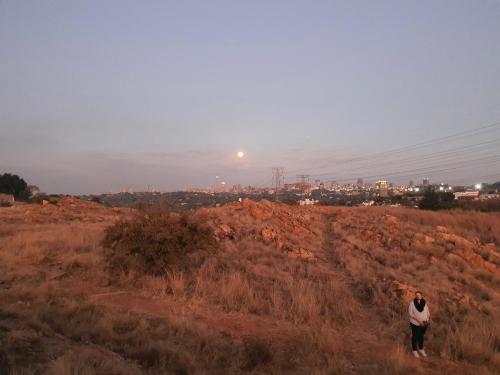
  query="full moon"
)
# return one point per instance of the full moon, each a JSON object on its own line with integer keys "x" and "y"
{"x": 241, "y": 154}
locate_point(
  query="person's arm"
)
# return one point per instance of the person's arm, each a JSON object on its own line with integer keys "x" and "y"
{"x": 412, "y": 314}
{"x": 427, "y": 313}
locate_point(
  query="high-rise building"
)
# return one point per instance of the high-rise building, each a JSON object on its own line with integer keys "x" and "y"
{"x": 360, "y": 182}
{"x": 383, "y": 188}
{"x": 411, "y": 184}
{"x": 425, "y": 182}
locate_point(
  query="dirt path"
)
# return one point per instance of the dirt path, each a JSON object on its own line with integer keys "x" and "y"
{"x": 236, "y": 325}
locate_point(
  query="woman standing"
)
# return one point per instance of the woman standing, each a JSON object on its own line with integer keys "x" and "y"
{"x": 419, "y": 321}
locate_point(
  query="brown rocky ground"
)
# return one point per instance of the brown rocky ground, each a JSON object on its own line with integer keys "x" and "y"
{"x": 295, "y": 290}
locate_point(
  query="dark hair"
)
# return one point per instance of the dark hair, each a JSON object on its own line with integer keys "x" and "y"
{"x": 418, "y": 291}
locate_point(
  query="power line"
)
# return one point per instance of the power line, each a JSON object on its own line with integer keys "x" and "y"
{"x": 423, "y": 171}
{"x": 463, "y": 134}
{"x": 459, "y": 154}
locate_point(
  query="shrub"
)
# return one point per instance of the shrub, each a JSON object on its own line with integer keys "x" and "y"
{"x": 437, "y": 201}
{"x": 256, "y": 352}
{"x": 156, "y": 242}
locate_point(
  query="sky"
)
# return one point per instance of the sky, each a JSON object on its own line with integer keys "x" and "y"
{"x": 98, "y": 96}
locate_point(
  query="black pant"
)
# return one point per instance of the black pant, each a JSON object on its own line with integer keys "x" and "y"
{"x": 417, "y": 336}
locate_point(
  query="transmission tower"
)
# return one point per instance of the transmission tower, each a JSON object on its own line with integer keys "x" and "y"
{"x": 278, "y": 180}
{"x": 303, "y": 181}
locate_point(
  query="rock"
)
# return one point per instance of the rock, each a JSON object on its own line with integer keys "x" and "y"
{"x": 457, "y": 240}
{"x": 402, "y": 290}
{"x": 259, "y": 211}
{"x": 492, "y": 250}
{"x": 421, "y": 237}
{"x": 393, "y": 220}
{"x": 452, "y": 256}
{"x": 478, "y": 261}
{"x": 272, "y": 235}
{"x": 224, "y": 231}
{"x": 301, "y": 253}
{"x": 268, "y": 234}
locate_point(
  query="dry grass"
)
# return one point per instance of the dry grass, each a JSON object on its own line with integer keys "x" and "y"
{"x": 252, "y": 306}
{"x": 471, "y": 225}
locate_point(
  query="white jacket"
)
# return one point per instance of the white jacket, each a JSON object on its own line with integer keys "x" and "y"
{"x": 423, "y": 315}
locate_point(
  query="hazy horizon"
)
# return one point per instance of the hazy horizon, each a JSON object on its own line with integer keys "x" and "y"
{"x": 102, "y": 96}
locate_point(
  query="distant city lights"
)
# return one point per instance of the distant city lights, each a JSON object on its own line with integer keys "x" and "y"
{"x": 478, "y": 186}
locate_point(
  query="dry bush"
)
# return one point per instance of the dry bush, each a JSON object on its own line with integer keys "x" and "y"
{"x": 398, "y": 361}
{"x": 173, "y": 283}
{"x": 156, "y": 286}
{"x": 155, "y": 243}
{"x": 176, "y": 283}
{"x": 236, "y": 292}
{"x": 90, "y": 362}
{"x": 256, "y": 353}
{"x": 475, "y": 341}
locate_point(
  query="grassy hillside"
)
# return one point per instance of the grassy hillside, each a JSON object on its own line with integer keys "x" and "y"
{"x": 295, "y": 290}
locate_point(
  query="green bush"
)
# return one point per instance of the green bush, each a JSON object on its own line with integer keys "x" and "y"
{"x": 433, "y": 200}
{"x": 156, "y": 243}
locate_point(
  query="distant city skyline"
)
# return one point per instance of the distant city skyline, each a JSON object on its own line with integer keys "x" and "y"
{"x": 101, "y": 96}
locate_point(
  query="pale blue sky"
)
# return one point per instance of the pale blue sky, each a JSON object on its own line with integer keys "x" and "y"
{"x": 102, "y": 95}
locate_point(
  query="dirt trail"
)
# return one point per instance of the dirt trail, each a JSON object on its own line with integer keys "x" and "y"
{"x": 236, "y": 325}
{"x": 367, "y": 327}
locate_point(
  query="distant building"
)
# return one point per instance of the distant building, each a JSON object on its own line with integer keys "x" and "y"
{"x": 383, "y": 188}
{"x": 467, "y": 195}
{"x": 360, "y": 183}
{"x": 425, "y": 182}
{"x": 307, "y": 202}
{"x": 127, "y": 190}
{"x": 411, "y": 183}
{"x": 489, "y": 196}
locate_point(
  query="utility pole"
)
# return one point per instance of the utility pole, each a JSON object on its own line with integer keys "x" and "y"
{"x": 278, "y": 180}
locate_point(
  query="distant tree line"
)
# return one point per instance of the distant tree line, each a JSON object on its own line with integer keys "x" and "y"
{"x": 14, "y": 185}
